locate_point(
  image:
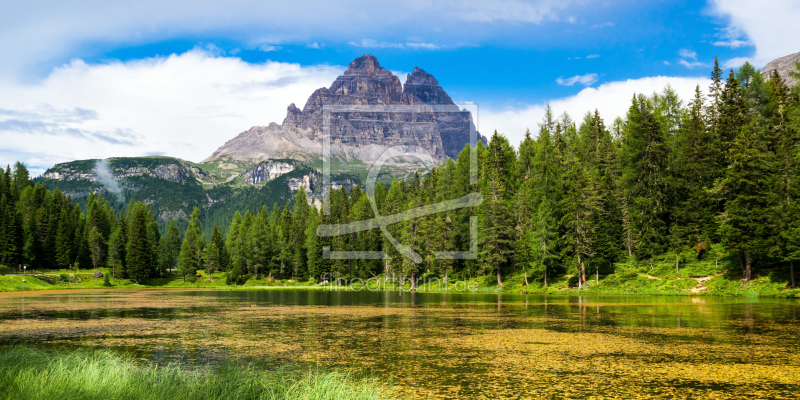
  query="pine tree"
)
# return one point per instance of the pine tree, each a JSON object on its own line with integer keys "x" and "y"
{"x": 746, "y": 223}
{"x": 190, "y": 259}
{"x": 498, "y": 182}
{"x": 96, "y": 245}
{"x": 117, "y": 247}
{"x": 645, "y": 172}
{"x": 212, "y": 258}
{"x": 139, "y": 248}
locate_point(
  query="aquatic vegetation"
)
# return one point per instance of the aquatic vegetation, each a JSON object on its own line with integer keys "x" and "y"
{"x": 444, "y": 346}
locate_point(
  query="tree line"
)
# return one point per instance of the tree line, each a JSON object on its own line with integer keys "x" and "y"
{"x": 666, "y": 179}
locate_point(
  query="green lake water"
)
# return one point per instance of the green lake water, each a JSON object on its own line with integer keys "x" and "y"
{"x": 432, "y": 345}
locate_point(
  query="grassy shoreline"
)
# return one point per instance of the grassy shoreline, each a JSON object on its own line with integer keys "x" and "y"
{"x": 718, "y": 278}
{"x": 103, "y": 374}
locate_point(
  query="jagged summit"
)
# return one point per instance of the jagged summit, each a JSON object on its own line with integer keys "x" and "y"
{"x": 423, "y": 86}
{"x": 359, "y": 135}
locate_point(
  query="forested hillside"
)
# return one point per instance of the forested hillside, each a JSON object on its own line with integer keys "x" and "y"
{"x": 670, "y": 178}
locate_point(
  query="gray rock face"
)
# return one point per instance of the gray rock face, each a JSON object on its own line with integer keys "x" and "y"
{"x": 783, "y": 65}
{"x": 266, "y": 171}
{"x": 360, "y": 135}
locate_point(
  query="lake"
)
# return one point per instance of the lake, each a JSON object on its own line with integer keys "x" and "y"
{"x": 433, "y": 345}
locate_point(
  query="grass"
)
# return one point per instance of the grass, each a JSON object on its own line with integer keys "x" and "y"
{"x": 28, "y": 373}
{"x": 55, "y": 279}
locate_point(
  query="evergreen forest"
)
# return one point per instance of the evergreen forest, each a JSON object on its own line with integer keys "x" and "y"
{"x": 573, "y": 198}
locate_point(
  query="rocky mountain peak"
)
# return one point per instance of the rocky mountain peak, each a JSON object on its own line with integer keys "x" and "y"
{"x": 366, "y": 65}
{"x": 420, "y": 77}
{"x": 424, "y": 87}
{"x": 360, "y": 135}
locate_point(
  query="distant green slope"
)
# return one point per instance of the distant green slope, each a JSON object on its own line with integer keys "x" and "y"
{"x": 172, "y": 187}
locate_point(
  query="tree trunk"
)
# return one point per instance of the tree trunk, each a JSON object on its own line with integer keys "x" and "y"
{"x": 545, "y": 275}
{"x": 499, "y": 282}
{"x": 445, "y": 281}
{"x": 742, "y": 264}
{"x": 583, "y": 271}
{"x": 748, "y": 263}
{"x": 597, "y": 274}
{"x": 791, "y": 271}
{"x": 580, "y": 281}
{"x": 413, "y": 280}
{"x": 184, "y": 277}
{"x": 677, "y": 266}
{"x": 525, "y": 273}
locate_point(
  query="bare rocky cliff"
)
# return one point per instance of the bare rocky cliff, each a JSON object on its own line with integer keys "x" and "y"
{"x": 783, "y": 65}
{"x": 360, "y": 135}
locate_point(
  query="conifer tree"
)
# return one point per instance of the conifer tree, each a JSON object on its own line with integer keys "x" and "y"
{"x": 747, "y": 219}
{"x": 95, "y": 242}
{"x": 644, "y": 163}
{"x": 139, "y": 248}
{"x": 190, "y": 259}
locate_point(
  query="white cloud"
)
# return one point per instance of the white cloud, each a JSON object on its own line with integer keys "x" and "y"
{"x": 603, "y": 25}
{"x": 611, "y": 99}
{"x": 731, "y": 37}
{"x": 314, "y": 45}
{"x": 666, "y": 62}
{"x": 183, "y": 106}
{"x": 37, "y": 32}
{"x": 585, "y": 80}
{"x": 691, "y": 54}
{"x": 509, "y": 10}
{"x": 771, "y": 26}
{"x": 373, "y": 44}
{"x": 423, "y": 46}
{"x": 692, "y": 64}
{"x": 268, "y": 47}
{"x": 590, "y": 56}
{"x": 686, "y": 53}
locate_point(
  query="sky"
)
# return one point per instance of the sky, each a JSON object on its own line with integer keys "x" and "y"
{"x": 96, "y": 79}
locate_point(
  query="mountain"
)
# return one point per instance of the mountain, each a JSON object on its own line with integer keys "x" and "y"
{"x": 360, "y": 135}
{"x": 265, "y": 165}
{"x": 783, "y": 65}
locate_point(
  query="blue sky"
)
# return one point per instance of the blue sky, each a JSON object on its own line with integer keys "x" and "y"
{"x": 90, "y": 79}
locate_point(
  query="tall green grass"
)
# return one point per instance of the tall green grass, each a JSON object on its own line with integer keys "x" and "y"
{"x": 27, "y": 373}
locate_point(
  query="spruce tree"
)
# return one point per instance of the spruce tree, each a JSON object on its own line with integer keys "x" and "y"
{"x": 645, "y": 172}
{"x": 190, "y": 259}
{"x": 139, "y": 248}
{"x": 746, "y": 223}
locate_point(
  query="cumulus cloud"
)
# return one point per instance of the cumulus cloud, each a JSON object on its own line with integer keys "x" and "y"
{"x": 183, "y": 105}
{"x": 611, "y": 99}
{"x": 771, "y": 26}
{"x": 585, "y": 80}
